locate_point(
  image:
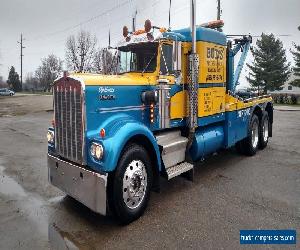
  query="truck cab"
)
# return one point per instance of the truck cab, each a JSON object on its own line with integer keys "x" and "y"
{"x": 113, "y": 136}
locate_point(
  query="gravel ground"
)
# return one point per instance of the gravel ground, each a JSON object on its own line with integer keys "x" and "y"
{"x": 230, "y": 192}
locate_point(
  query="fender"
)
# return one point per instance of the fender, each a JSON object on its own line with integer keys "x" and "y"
{"x": 257, "y": 108}
{"x": 119, "y": 129}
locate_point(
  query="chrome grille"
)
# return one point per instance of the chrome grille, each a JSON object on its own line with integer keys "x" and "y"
{"x": 68, "y": 119}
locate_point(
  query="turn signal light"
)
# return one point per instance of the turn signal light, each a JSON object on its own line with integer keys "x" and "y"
{"x": 152, "y": 113}
{"x": 102, "y": 132}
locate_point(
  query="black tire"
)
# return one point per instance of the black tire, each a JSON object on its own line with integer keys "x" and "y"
{"x": 124, "y": 209}
{"x": 264, "y": 127}
{"x": 250, "y": 145}
{"x": 239, "y": 147}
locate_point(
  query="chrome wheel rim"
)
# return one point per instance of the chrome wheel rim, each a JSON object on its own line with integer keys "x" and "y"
{"x": 254, "y": 134}
{"x": 134, "y": 184}
{"x": 266, "y": 130}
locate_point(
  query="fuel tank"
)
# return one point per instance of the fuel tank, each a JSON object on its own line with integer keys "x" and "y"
{"x": 207, "y": 141}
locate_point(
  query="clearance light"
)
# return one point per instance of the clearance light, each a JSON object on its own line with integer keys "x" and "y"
{"x": 152, "y": 113}
{"x": 97, "y": 150}
{"x": 102, "y": 132}
{"x": 162, "y": 30}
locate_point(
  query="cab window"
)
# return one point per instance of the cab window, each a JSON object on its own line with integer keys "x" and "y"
{"x": 138, "y": 58}
{"x": 166, "y": 63}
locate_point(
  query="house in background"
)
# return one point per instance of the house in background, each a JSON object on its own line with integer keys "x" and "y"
{"x": 289, "y": 94}
{"x": 288, "y": 88}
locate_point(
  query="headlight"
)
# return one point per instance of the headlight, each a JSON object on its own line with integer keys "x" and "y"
{"x": 97, "y": 150}
{"x": 50, "y": 136}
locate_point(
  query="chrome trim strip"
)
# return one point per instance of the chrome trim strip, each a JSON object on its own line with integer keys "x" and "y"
{"x": 120, "y": 110}
{"x": 76, "y": 142}
{"x": 123, "y": 107}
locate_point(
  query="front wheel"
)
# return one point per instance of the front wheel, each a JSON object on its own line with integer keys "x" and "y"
{"x": 132, "y": 184}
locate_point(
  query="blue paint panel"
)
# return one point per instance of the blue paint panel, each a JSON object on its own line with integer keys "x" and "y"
{"x": 127, "y": 101}
{"x": 174, "y": 36}
{"x": 207, "y": 140}
{"x": 120, "y": 128}
{"x": 203, "y": 34}
{"x": 204, "y": 121}
{"x": 175, "y": 89}
{"x": 177, "y": 123}
{"x": 236, "y": 126}
{"x": 122, "y": 118}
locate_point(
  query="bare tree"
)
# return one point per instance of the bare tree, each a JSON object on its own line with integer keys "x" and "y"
{"x": 80, "y": 51}
{"x": 105, "y": 61}
{"x": 48, "y": 71}
{"x": 31, "y": 83}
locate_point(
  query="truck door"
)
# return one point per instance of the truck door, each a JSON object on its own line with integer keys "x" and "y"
{"x": 165, "y": 81}
{"x": 170, "y": 72}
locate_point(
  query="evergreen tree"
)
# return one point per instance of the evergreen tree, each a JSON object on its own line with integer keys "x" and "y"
{"x": 270, "y": 69}
{"x": 13, "y": 80}
{"x": 296, "y": 68}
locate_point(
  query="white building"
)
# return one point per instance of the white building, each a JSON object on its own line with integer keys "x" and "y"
{"x": 288, "y": 88}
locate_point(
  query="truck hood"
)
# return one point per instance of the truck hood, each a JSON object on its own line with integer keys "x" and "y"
{"x": 123, "y": 79}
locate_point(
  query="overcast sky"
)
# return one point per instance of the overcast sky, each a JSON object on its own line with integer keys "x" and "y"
{"x": 46, "y": 24}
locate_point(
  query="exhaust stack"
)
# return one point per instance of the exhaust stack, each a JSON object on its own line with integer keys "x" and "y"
{"x": 193, "y": 74}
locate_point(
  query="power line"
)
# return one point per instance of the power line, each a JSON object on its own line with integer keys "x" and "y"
{"x": 83, "y": 22}
{"x": 92, "y": 19}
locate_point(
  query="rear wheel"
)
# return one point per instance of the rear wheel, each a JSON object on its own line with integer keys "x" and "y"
{"x": 132, "y": 184}
{"x": 250, "y": 143}
{"x": 239, "y": 147}
{"x": 264, "y": 131}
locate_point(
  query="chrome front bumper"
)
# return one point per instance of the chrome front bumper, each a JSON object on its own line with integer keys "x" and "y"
{"x": 86, "y": 186}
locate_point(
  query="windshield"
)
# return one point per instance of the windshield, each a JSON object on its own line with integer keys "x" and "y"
{"x": 138, "y": 58}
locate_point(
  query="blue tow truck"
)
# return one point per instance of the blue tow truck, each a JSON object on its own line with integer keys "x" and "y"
{"x": 171, "y": 104}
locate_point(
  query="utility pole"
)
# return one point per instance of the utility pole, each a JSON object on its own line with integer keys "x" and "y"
{"x": 21, "y": 57}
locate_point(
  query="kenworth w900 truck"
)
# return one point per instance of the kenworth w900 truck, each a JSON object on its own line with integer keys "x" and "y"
{"x": 172, "y": 103}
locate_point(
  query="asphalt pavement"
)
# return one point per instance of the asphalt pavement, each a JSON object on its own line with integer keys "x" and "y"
{"x": 230, "y": 192}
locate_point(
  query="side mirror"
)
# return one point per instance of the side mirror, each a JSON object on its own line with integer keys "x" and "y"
{"x": 176, "y": 56}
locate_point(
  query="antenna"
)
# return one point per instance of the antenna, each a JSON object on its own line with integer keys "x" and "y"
{"x": 170, "y": 14}
{"x": 109, "y": 38}
{"x": 219, "y": 11}
{"x": 134, "y": 20}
